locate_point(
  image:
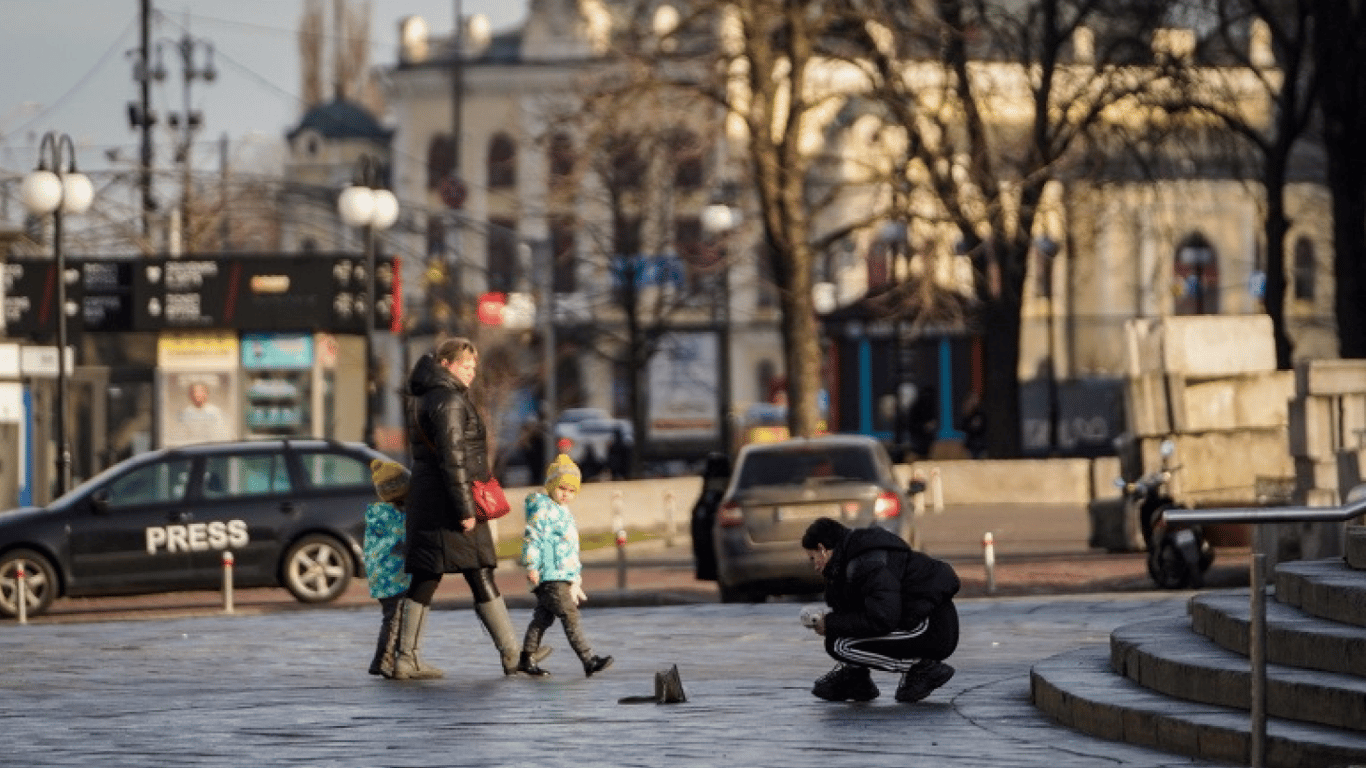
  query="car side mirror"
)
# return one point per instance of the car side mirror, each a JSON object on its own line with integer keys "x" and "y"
{"x": 916, "y": 486}
{"x": 99, "y": 501}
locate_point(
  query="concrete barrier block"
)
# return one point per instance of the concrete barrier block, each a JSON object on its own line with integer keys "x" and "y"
{"x": 1316, "y": 473}
{"x": 1310, "y": 426}
{"x": 1223, "y": 467}
{"x": 1207, "y": 346}
{"x": 1014, "y": 481}
{"x": 1330, "y": 377}
{"x": 1145, "y": 403}
{"x": 1234, "y": 402}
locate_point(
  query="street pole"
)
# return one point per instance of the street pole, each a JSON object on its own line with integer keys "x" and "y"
{"x": 58, "y": 190}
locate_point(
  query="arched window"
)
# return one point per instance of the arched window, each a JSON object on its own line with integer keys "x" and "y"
{"x": 502, "y": 162}
{"x": 1196, "y": 272}
{"x": 440, "y": 159}
{"x": 502, "y": 255}
{"x": 1305, "y": 269}
{"x": 627, "y": 167}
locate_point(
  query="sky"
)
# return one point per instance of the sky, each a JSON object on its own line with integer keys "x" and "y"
{"x": 67, "y": 68}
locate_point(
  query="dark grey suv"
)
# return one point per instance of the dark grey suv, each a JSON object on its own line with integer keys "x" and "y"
{"x": 292, "y": 512}
{"x": 777, "y": 489}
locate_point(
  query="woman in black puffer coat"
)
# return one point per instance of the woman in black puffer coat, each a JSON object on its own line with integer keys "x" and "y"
{"x": 450, "y": 451}
{"x": 891, "y": 608}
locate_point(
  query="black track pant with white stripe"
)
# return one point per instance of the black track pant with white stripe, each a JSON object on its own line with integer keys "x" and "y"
{"x": 934, "y": 638}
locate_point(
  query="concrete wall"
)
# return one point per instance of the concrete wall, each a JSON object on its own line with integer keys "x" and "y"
{"x": 656, "y": 505}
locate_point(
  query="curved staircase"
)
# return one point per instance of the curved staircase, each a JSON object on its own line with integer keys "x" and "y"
{"x": 1182, "y": 685}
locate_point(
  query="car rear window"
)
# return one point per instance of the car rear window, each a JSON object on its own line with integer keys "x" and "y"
{"x": 245, "y": 475}
{"x": 335, "y": 470}
{"x": 795, "y": 467}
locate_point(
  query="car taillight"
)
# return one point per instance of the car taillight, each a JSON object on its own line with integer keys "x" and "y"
{"x": 730, "y": 515}
{"x": 886, "y": 506}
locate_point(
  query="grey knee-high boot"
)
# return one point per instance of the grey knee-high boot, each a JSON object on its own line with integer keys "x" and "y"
{"x": 388, "y": 636}
{"x": 494, "y": 615}
{"x": 407, "y": 664}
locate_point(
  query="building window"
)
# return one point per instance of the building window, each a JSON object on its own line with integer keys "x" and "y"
{"x": 627, "y": 166}
{"x": 1196, "y": 273}
{"x": 502, "y": 162}
{"x": 685, "y": 151}
{"x": 1305, "y": 269}
{"x": 436, "y": 236}
{"x": 440, "y": 159}
{"x": 502, "y": 255}
{"x": 562, "y": 247}
{"x": 561, "y": 160}
{"x": 700, "y": 257}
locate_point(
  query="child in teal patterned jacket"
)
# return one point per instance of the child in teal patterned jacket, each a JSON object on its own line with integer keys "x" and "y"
{"x": 550, "y": 554}
{"x": 383, "y": 550}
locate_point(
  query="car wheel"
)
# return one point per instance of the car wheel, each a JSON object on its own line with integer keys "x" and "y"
{"x": 316, "y": 569}
{"x": 40, "y": 582}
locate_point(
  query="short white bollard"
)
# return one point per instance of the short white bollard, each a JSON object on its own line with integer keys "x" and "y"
{"x": 989, "y": 558}
{"x": 670, "y": 527}
{"x": 227, "y": 582}
{"x": 919, "y": 500}
{"x": 936, "y": 490}
{"x": 21, "y": 593}
{"x": 619, "y": 525}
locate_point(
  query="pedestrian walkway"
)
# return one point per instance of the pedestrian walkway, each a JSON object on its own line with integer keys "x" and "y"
{"x": 289, "y": 688}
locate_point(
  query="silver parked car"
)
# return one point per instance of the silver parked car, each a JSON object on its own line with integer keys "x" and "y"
{"x": 777, "y": 489}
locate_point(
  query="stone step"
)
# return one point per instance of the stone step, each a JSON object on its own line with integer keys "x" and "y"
{"x": 1080, "y": 689}
{"x": 1293, "y": 638}
{"x": 1355, "y": 547}
{"x": 1165, "y": 656}
{"x": 1329, "y": 589}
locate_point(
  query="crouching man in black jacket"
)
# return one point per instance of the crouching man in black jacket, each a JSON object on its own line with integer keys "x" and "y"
{"x": 891, "y": 608}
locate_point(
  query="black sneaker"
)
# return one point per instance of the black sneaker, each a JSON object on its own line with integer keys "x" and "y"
{"x": 846, "y": 682}
{"x": 596, "y": 665}
{"x": 922, "y": 679}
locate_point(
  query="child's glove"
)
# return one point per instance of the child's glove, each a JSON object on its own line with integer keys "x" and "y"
{"x": 576, "y": 591}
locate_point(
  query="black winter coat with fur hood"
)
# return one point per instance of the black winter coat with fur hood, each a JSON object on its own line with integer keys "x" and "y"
{"x": 875, "y": 584}
{"x": 450, "y": 450}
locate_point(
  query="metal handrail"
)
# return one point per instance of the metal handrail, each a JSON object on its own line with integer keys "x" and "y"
{"x": 1256, "y": 641}
{"x": 1266, "y": 514}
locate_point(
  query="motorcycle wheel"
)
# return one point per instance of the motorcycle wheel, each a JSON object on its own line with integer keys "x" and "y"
{"x": 1167, "y": 566}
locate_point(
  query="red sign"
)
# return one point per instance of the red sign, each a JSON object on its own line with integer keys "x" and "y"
{"x": 490, "y": 310}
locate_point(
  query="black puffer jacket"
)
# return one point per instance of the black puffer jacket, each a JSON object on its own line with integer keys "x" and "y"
{"x": 875, "y": 583}
{"x": 450, "y": 450}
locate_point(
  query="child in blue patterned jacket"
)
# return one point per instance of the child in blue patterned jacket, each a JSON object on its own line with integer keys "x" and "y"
{"x": 383, "y": 550}
{"x": 550, "y": 554}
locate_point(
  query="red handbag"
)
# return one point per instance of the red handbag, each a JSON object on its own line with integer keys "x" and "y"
{"x": 489, "y": 501}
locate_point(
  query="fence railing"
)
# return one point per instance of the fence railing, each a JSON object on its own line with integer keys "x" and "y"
{"x": 1256, "y": 640}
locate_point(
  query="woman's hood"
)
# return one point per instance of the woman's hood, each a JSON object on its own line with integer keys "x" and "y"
{"x": 427, "y": 375}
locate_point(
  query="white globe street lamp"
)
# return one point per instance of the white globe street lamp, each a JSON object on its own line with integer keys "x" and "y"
{"x": 368, "y": 205}
{"x": 57, "y": 188}
{"x": 719, "y": 220}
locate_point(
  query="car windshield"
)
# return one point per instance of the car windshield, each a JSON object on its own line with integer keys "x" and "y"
{"x": 797, "y": 467}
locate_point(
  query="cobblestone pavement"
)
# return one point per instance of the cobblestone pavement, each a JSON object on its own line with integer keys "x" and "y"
{"x": 290, "y": 688}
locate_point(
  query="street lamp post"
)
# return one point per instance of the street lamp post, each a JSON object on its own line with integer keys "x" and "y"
{"x": 367, "y": 204}
{"x": 56, "y": 187}
{"x": 720, "y": 219}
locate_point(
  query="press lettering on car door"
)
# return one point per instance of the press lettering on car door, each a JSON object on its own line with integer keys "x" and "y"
{"x": 197, "y": 537}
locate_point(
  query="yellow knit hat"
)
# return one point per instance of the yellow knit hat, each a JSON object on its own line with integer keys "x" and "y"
{"x": 562, "y": 471}
{"x": 390, "y": 478}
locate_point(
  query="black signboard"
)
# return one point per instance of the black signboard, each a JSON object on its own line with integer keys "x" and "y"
{"x": 31, "y": 298}
{"x": 305, "y": 292}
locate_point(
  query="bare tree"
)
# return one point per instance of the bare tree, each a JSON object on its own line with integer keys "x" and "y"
{"x": 1268, "y": 45}
{"x": 312, "y": 42}
{"x": 1340, "y": 57}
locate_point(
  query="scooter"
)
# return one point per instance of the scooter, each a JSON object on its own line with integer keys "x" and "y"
{"x": 1178, "y": 556}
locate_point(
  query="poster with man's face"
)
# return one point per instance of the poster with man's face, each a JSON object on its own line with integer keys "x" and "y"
{"x": 198, "y": 407}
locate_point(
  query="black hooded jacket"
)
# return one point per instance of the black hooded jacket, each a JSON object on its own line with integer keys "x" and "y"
{"x": 875, "y": 584}
{"x": 450, "y": 450}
